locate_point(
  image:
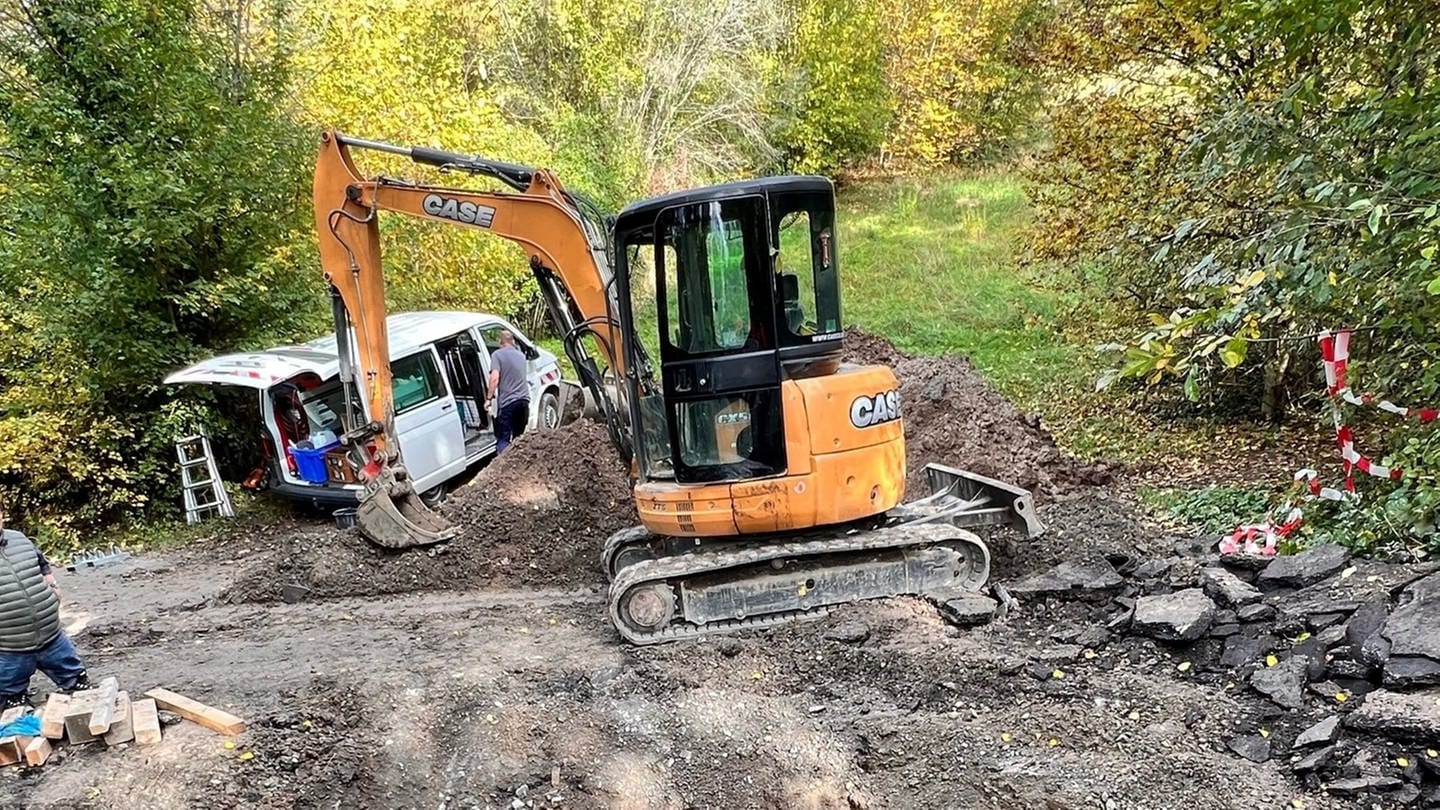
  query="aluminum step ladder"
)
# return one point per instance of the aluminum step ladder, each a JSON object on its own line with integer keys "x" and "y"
{"x": 200, "y": 480}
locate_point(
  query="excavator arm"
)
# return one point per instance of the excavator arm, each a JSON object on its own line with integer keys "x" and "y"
{"x": 566, "y": 254}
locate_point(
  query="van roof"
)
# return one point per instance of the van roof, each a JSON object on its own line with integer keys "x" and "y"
{"x": 407, "y": 331}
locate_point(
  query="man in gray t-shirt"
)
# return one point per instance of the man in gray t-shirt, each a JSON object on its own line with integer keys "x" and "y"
{"x": 509, "y": 390}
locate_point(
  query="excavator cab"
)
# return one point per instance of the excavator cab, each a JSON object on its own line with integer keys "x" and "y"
{"x": 733, "y": 289}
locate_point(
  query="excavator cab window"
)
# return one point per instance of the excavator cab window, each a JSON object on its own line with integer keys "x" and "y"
{"x": 721, "y": 376}
{"x": 806, "y": 277}
{"x": 710, "y": 265}
{"x": 733, "y": 289}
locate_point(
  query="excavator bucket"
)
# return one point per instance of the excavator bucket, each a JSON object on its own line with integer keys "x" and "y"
{"x": 391, "y": 515}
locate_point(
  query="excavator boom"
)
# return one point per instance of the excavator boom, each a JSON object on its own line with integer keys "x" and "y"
{"x": 566, "y": 255}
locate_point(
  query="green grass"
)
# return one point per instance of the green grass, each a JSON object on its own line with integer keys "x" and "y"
{"x": 932, "y": 266}
{"x": 165, "y": 532}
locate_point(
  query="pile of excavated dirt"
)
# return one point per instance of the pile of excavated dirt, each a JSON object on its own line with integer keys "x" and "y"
{"x": 954, "y": 416}
{"x": 537, "y": 516}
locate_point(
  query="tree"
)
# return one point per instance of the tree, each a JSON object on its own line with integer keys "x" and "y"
{"x": 834, "y": 103}
{"x": 152, "y": 185}
{"x": 1231, "y": 174}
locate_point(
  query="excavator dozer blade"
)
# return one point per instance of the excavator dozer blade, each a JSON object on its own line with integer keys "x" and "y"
{"x": 962, "y": 498}
{"x": 391, "y": 515}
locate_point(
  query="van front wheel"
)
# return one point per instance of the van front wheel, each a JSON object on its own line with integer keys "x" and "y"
{"x": 549, "y": 411}
{"x": 433, "y": 496}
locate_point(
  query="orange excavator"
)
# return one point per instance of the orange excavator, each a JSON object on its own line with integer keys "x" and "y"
{"x": 705, "y": 326}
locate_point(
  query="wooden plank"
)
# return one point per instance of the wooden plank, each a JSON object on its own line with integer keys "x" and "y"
{"x": 145, "y": 720}
{"x": 195, "y": 711}
{"x": 52, "y": 720}
{"x": 104, "y": 712}
{"x": 10, "y": 751}
{"x": 77, "y": 716}
{"x": 123, "y": 729}
{"x": 37, "y": 752}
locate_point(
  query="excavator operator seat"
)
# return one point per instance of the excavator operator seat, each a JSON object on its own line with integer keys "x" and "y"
{"x": 790, "y": 298}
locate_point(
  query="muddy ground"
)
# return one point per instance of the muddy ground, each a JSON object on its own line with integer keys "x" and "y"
{"x": 486, "y": 674}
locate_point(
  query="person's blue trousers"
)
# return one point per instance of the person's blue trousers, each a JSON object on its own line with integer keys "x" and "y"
{"x": 58, "y": 660}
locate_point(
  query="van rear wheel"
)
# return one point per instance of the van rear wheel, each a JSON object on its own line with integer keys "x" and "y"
{"x": 434, "y": 496}
{"x": 549, "y": 411}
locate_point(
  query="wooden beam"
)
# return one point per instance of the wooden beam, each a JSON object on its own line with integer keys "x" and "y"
{"x": 195, "y": 711}
{"x": 145, "y": 720}
{"x": 10, "y": 751}
{"x": 104, "y": 712}
{"x": 52, "y": 720}
{"x": 77, "y": 716}
{"x": 37, "y": 751}
{"x": 123, "y": 729}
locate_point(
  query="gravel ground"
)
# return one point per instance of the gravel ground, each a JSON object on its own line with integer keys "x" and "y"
{"x": 485, "y": 674}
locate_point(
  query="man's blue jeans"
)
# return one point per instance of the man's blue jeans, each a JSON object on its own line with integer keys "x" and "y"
{"x": 58, "y": 660}
{"x": 510, "y": 422}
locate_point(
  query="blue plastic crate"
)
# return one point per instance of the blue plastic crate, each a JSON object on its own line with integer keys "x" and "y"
{"x": 310, "y": 464}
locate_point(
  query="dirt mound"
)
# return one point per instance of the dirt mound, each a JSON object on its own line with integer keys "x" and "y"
{"x": 954, "y": 416}
{"x": 864, "y": 348}
{"x": 537, "y": 516}
{"x": 320, "y": 751}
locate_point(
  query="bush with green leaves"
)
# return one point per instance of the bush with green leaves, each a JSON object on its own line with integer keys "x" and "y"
{"x": 152, "y": 190}
{"x": 1227, "y": 175}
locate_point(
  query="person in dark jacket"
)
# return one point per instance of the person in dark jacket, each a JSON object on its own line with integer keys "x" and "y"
{"x": 30, "y": 634}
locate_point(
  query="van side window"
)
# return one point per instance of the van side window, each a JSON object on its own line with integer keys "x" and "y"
{"x": 417, "y": 381}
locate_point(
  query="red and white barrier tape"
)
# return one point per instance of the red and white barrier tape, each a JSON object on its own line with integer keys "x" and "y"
{"x": 1335, "y": 357}
{"x": 1262, "y": 538}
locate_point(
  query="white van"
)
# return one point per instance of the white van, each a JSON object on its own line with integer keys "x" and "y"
{"x": 441, "y": 365}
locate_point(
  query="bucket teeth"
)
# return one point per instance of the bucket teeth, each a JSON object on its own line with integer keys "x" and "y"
{"x": 391, "y": 514}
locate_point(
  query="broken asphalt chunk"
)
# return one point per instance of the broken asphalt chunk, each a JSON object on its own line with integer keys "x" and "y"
{"x": 1085, "y": 576}
{"x": 1181, "y": 616}
{"x": 1400, "y": 716}
{"x": 1241, "y": 650}
{"x": 1306, "y": 568}
{"x": 1283, "y": 683}
{"x": 1411, "y": 629}
{"x": 1366, "y": 622}
{"x": 1410, "y": 670}
{"x": 968, "y": 610}
{"x": 1227, "y": 589}
{"x": 1324, "y": 731}
{"x": 1250, "y": 746}
{"x": 1317, "y": 760}
{"x": 1153, "y": 569}
{"x": 1255, "y": 613}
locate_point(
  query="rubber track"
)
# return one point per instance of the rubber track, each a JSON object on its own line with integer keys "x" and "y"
{"x": 670, "y": 570}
